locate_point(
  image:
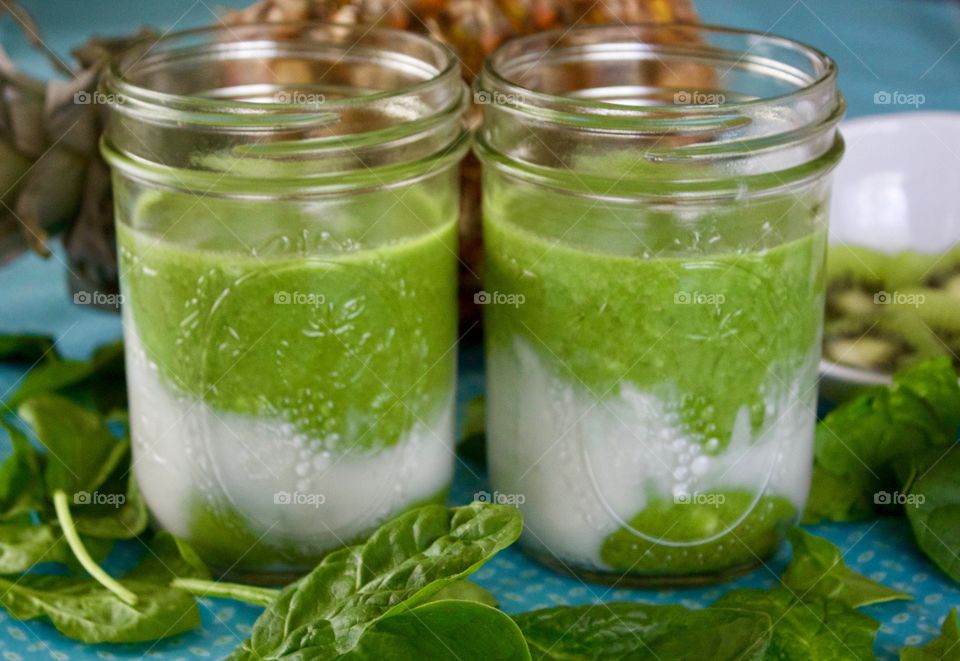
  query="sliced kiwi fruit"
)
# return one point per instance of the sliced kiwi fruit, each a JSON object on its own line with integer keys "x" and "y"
{"x": 908, "y": 269}
{"x": 854, "y": 277}
{"x": 945, "y": 273}
{"x": 881, "y": 342}
{"x": 939, "y": 311}
{"x": 885, "y": 312}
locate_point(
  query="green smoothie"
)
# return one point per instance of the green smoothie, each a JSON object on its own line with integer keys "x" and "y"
{"x": 291, "y": 370}
{"x": 345, "y": 344}
{"x": 666, "y": 356}
{"x": 756, "y": 536}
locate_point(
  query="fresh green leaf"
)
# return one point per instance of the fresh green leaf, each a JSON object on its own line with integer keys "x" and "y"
{"x": 119, "y": 516}
{"x": 817, "y": 569}
{"x": 446, "y": 630}
{"x": 465, "y": 590}
{"x": 473, "y": 444}
{"x": 643, "y": 631}
{"x": 20, "y": 477}
{"x": 401, "y": 565}
{"x": 26, "y": 348}
{"x": 167, "y": 558}
{"x": 809, "y": 629}
{"x": 933, "y": 506}
{"x": 50, "y": 377}
{"x": 946, "y": 647}
{"x": 838, "y": 499}
{"x": 82, "y": 609}
{"x": 860, "y": 441}
{"x": 82, "y": 452}
{"x": 99, "y": 380}
{"x": 920, "y": 409}
{"x": 24, "y": 545}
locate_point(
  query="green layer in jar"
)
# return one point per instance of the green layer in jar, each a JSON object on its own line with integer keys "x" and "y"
{"x": 710, "y": 323}
{"x": 272, "y": 309}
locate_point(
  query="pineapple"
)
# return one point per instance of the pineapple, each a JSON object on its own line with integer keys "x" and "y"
{"x": 472, "y": 28}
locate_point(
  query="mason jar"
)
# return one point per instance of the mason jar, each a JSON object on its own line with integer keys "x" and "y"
{"x": 286, "y": 200}
{"x": 655, "y": 217}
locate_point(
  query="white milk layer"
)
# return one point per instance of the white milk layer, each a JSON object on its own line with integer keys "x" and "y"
{"x": 286, "y": 490}
{"x": 585, "y": 467}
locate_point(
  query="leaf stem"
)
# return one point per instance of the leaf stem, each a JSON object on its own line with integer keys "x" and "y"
{"x": 62, "y": 507}
{"x": 250, "y": 594}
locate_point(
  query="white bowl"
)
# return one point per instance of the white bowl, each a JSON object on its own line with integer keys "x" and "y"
{"x": 897, "y": 188}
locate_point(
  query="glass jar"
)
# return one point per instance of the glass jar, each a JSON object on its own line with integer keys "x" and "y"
{"x": 286, "y": 200}
{"x": 655, "y": 216}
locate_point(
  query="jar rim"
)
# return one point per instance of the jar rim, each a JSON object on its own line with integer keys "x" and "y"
{"x": 148, "y": 51}
{"x": 492, "y": 73}
{"x": 557, "y": 104}
{"x": 218, "y": 108}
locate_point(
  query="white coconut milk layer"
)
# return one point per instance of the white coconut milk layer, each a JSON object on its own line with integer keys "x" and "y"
{"x": 585, "y": 467}
{"x": 285, "y": 489}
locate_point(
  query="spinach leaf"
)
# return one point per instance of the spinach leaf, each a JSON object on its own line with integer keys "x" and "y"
{"x": 401, "y": 565}
{"x": 20, "y": 477}
{"x": 920, "y": 409}
{"x": 946, "y": 647}
{"x": 168, "y": 558}
{"x": 84, "y": 610}
{"x": 26, "y": 348}
{"x": 817, "y": 569}
{"x": 82, "y": 452}
{"x": 445, "y": 630}
{"x": 465, "y": 590}
{"x": 933, "y": 508}
{"x": 834, "y": 498}
{"x": 120, "y": 515}
{"x": 644, "y": 631}
{"x": 99, "y": 381}
{"x": 23, "y": 545}
{"x": 859, "y": 441}
{"x": 809, "y": 629}
{"x": 49, "y": 377}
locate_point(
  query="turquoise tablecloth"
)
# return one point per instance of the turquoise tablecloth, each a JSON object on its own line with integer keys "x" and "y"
{"x": 881, "y": 45}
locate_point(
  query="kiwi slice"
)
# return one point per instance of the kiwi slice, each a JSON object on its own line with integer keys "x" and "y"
{"x": 951, "y": 285}
{"x": 885, "y": 312}
{"x": 882, "y": 342}
{"x": 854, "y": 277}
{"x": 938, "y": 311}
{"x": 945, "y": 274}
{"x": 908, "y": 269}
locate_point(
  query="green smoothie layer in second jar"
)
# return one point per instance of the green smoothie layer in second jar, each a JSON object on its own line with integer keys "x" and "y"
{"x": 651, "y": 381}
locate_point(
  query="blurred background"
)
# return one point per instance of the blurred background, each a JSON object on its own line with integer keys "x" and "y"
{"x": 906, "y": 45}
